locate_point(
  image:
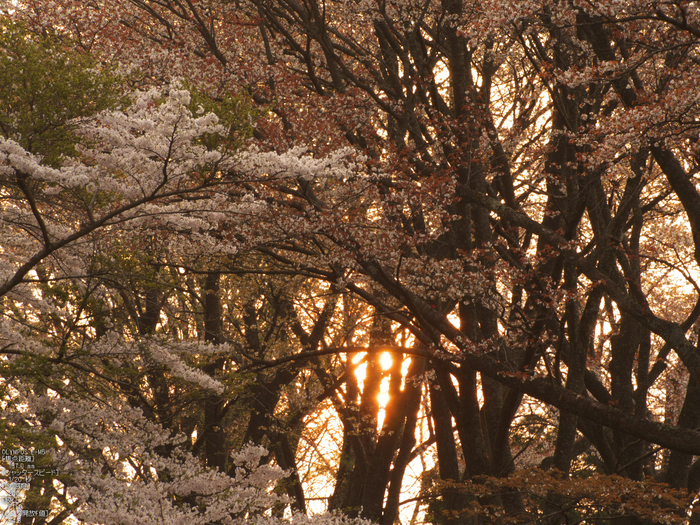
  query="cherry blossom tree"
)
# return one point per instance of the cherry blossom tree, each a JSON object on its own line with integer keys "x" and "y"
{"x": 86, "y": 373}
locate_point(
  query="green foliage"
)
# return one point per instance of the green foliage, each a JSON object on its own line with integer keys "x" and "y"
{"x": 46, "y": 86}
{"x": 236, "y": 113}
